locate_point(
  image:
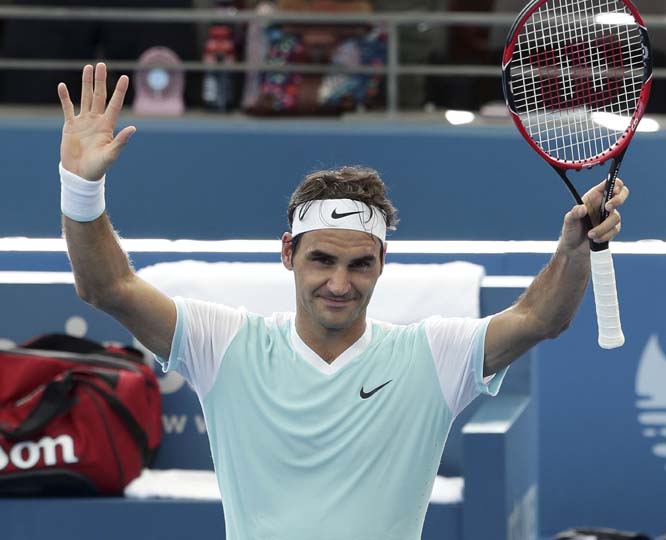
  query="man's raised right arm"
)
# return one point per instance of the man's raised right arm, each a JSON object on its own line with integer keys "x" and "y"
{"x": 102, "y": 272}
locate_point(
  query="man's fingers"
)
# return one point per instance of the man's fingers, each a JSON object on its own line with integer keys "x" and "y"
{"x": 116, "y": 101}
{"x": 577, "y": 213}
{"x": 86, "y": 88}
{"x": 619, "y": 184}
{"x": 120, "y": 140}
{"x": 66, "y": 102}
{"x": 595, "y": 197}
{"x": 619, "y": 196}
{"x": 123, "y": 137}
{"x": 607, "y": 229}
{"x": 99, "y": 94}
{"x": 608, "y": 235}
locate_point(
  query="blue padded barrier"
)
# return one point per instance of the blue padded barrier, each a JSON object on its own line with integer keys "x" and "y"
{"x": 110, "y": 519}
{"x": 120, "y": 519}
{"x": 501, "y": 478}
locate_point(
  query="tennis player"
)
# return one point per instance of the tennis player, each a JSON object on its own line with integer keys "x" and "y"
{"x": 322, "y": 424}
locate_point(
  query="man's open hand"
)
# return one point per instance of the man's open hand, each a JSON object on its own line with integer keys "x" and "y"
{"x": 88, "y": 147}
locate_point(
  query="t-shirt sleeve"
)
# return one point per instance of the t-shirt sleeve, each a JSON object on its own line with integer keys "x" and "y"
{"x": 457, "y": 346}
{"x": 204, "y": 331}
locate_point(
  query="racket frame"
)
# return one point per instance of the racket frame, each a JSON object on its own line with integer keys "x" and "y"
{"x": 616, "y": 149}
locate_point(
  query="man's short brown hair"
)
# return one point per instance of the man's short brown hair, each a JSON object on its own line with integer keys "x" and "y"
{"x": 350, "y": 182}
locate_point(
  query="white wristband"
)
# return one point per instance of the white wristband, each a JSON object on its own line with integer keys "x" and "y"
{"x": 81, "y": 199}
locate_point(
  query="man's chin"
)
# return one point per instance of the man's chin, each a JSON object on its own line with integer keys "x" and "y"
{"x": 337, "y": 322}
{"x": 335, "y": 326}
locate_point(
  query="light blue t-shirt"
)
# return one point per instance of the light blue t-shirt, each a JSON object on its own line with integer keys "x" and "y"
{"x": 304, "y": 449}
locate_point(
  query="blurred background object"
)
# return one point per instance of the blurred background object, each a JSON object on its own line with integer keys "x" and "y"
{"x": 345, "y": 45}
{"x": 158, "y": 83}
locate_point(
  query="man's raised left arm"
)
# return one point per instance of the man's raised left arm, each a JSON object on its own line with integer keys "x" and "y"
{"x": 549, "y": 304}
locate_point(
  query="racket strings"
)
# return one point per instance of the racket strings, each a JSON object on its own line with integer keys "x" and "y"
{"x": 577, "y": 67}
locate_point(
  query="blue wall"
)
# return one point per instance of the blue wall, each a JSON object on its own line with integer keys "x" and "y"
{"x": 218, "y": 179}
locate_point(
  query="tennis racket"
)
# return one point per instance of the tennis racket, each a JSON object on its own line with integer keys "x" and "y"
{"x": 576, "y": 78}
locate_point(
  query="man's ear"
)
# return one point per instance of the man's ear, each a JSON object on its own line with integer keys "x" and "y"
{"x": 287, "y": 251}
{"x": 384, "y": 257}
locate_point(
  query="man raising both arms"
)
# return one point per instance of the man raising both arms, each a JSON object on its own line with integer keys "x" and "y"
{"x": 322, "y": 424}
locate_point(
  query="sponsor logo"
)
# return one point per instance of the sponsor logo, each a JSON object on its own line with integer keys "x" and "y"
{"x": 366, "y": 395}
{"x": 335, "y": 214}
{"x": 651, "y": 393}
{"x": 27, "y": 454}
{"x": 176, "y": 424}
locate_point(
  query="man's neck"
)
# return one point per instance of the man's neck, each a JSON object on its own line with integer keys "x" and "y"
{"x": 328, "y": 344}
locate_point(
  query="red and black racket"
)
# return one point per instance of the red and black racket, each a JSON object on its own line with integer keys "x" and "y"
{"x": 576, "y": 77}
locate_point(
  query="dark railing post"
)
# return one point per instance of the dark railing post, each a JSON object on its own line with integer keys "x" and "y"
{"x": 392, "y": 91}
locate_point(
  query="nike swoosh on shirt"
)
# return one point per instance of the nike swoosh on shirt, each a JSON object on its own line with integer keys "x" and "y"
{"x": 366, "y": 395}
{"x": 335, "y": 214}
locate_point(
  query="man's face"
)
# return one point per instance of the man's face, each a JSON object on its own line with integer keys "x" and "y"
{"x": 335, "y": 273}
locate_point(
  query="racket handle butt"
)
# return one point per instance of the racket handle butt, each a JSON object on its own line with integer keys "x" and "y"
{"x": 605, "y": 300}
{"x": 611, "y": 342}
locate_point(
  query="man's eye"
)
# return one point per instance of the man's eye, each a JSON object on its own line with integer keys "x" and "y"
{"x": 361, "y": 264}
{"x": 324, "y": 260}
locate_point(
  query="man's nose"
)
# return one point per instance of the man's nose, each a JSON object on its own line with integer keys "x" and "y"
{"x": 338, "y": 282}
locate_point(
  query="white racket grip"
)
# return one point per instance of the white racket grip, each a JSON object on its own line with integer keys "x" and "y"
{"x": 605, "y": 300}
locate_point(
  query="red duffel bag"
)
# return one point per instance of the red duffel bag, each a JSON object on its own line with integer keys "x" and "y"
{"x": 76, "y": 418}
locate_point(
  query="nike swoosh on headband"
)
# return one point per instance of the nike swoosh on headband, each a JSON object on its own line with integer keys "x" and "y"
{"x": 335, "y": 214}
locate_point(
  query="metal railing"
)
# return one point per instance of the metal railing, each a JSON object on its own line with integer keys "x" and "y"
{"x": 391, "y": 21}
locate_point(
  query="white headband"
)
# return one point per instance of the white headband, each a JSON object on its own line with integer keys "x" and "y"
{"x": 339, "y": 214}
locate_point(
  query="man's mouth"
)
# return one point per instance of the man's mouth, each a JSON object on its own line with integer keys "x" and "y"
{"x": 336, "y": 301}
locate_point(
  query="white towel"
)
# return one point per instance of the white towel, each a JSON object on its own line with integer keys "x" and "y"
{"x": 202, "y": 485}
{"x": 404, "y": 293}
{"x": 174, "y": 484}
